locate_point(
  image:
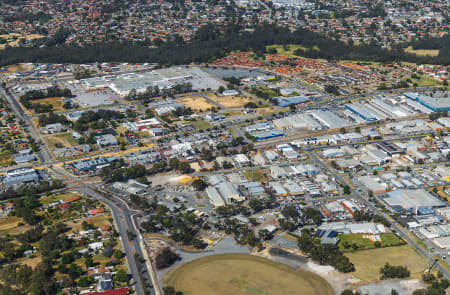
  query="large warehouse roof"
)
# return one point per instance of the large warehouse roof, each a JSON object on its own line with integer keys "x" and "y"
{"x": 410, "y": 200}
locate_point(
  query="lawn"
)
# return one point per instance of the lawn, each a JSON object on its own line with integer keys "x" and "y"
{"x": 241, "y": 274}
{"x": 290, "y": 51}
{"x": 426, "y": 81}
{"x": 65, "y": 139}
{"x": 422, "y": 52}
{"x": 257, "y": 175}
{"x": 387, "y": 240}
{"x": 201, "y": 124}
{"x": 369, "y": 262}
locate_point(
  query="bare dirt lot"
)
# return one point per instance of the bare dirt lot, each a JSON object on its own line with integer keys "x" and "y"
{"x": 231, "y": 101}
{"x": 195, "y": 102}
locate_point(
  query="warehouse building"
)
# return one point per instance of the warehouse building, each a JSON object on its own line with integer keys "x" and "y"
{"x": 329, "y": 119}
{"x": 373, "y": 184}
{"x": 437, "y": 104}
{"x": 287, "y": 101}
{"x": 214, "y": 197}
{"x": 405, "y": 200}
{"x": 361, "y": 111}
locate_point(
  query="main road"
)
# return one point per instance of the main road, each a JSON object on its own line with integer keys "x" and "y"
{"x": 43, "y": 154}
{"x": 122, "y": 216}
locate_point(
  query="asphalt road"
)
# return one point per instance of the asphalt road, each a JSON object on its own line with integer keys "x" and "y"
{"x": 43, "y": 153}
{"x": 123, "y": 218}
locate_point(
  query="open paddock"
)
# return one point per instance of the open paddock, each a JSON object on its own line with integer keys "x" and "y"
{"x": 242, "y": 274}
{"x": 196, "y": 103}
{"x": 231, "y": 101}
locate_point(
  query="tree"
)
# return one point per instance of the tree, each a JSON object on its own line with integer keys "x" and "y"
{"x": 199, "y": 184}
{"x": 346, "y": 190}
{"x": 74, "y": 271}
{"x": 165, "y": 258}
{"x": 121, "y": 276}
{"x": 118, "y": 254}
{"x": 88, "y": 261}
{"x": 390, "y": 272}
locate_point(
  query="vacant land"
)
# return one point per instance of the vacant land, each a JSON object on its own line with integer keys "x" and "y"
{"x": 425, "y": 81}
{"x": 348, "y": 240}
{"x": 97, "y": 221}
{"x": 369, "y": 262}
{"x": 57, "y": 197}
{"x": 19, "y": 68}
{"x": 231, "y": 101}
{"x": 6, "y": 158}
{"x": 241, "y": 274}
{"x": 256, "y": 175}
{"x": 201, "y": 124}
{"x": 55, "y": 102}
{"x": 9, "y": 222}
{"x": 423, "y": 52}
{"x": 63, "y": 139}
{"x": 196, "y": 103}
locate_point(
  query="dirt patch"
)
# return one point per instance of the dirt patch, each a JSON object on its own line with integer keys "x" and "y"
{"x": 195, "y": 102}
{"x": 231, "y": 101}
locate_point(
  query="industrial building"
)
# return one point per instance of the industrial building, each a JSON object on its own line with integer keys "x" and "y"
{"x": 436, "y": 104}
{"x": 405, "y": 200}
{"x": 373, "y": 184}
{"x": 214, "y": 197}
{"x": 287, "y": 101}
{"x": 354, "y": 228}
{"x": 361, "y": 111}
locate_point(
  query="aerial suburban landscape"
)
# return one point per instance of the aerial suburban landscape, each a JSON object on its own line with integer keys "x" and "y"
{"x": 211, "y": 147}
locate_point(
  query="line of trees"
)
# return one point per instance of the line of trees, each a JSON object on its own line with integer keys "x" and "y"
{"x": 27, "y": 98}
{"x": 210, "y": 43}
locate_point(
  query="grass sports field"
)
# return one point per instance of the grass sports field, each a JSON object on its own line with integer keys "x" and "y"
{"x": 368, "y": 262}
{"x": 241, "y": 274}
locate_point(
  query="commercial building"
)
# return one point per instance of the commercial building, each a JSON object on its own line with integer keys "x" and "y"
{"x": 91, "y": 165}
{"x": 106, "y": 140}
{"x": 21, "y": 176}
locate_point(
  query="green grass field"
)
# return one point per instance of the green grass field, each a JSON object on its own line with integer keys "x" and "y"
{"x": 241, "y": 274}
{"x": 65, "y": 139}
{"x": 290, "y": 51}
{"x": 257, "y": 175}
{"x": 368, "y": 262}
{"x": 201, "y": 124}
{"x": 426, "y": 81}
{"x": 422, "y": 52}
{"x": 387, "y": 240}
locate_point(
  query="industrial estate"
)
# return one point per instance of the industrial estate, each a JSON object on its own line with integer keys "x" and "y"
{"x": 220, "y": 147}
